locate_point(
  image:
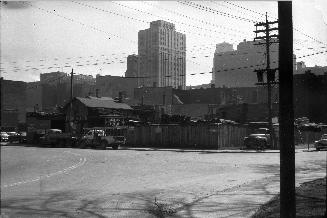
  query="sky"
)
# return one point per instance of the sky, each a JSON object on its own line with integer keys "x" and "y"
{"x": 95, "y": 37}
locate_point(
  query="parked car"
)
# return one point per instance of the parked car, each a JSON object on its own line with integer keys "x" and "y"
{"x": 55, "y": 138}
{"x": 23, "y": 137}
{"x": 322, "y": 143}
{"x": 4, "y": 137}
{"x": 260, "y": 139}
{"x": 13, "y": 137}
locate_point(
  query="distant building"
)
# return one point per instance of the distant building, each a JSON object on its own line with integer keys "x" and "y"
{"x": 224, "y": 47}
{"x": 200, "y": 102}
{"x": 162, "y": 53}
{"x": 13, "y": 102}
{"x": 317, "y": 70}
{"x": 55, "y": 88}
{"x": 34, "y": 96}
{"x": 112, "y": 86}
{"x": 220, "y": 48}
{"x": 300, "y": 65}
{"x": 310, "y": 94}
{"x": 236, "y": 68}
{"x": 132, "y": 66}
{"x": 53, "y": 77}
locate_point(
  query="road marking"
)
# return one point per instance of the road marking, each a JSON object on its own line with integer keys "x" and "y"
{"x": 81, "y": 162}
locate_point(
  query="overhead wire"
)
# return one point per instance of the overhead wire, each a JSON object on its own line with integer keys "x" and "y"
{"x": 211, "y": 10}
{"x": 274, "y": 17}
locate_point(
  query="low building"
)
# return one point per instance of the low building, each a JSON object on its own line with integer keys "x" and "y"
{"x": 95, "y": 112}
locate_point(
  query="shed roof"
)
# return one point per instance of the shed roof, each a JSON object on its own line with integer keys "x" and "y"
{"x": 103, "y": 103}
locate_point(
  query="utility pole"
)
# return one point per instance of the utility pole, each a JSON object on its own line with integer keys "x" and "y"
{"x": 270, "y": 72}
{"x": 286, "y": 111}
{"x": 71, "y": 101}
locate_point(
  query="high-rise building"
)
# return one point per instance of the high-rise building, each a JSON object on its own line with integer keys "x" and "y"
{"x": 220, "y": 49}
{"x": 236, "y": 68}
{"x": 132, "y": 66}
{"x": 162, "y": 53}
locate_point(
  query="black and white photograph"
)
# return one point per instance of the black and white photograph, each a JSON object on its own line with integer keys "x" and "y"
{"x": 155, "y": 109}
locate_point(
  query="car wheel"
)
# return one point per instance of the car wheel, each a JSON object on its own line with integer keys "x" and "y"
{"x": 317, "y": 149}
{"x": 104, "y": 145}
{"x": 82, "y": 145}
{"x": 115, "y": 147}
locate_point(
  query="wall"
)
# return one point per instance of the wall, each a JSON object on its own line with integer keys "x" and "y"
{"x": 310, "y": 97}
{"x": 154, "y": 96}
{"x": 198, "y": 137}
{"x": 13, "y": 102}
{"x": 33, "y": 96}
{"x": 110, "y": 86}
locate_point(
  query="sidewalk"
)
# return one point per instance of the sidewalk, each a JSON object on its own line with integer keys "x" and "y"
{"x": 208, "y": 150}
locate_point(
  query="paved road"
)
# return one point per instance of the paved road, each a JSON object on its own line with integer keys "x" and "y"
{"x": 64, "y": 182}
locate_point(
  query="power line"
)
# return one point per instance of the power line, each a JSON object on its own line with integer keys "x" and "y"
{"x": 144, "y": 21}
{"x": 274, "y": 17}
{"x": 208, "y": 9}
{"x": 186, "y": 24}
{"x": 192, "y": 18}
{"x": 233, "y": 4}
{"x": 104, "y": 63}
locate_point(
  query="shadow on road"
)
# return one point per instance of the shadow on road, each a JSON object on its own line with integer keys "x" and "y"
{"x": 235, "y": 201}
{"x": 58, "y": 204}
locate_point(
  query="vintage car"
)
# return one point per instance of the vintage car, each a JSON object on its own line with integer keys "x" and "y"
{"x": 260, "y": 139}
{"x": 322, "y": 143}
{"x": 4, "y": 137}
{"x": 99, "y": 137}
{"x": 13, "y": 137}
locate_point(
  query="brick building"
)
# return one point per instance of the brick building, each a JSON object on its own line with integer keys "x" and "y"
{"x": 111, "y": 86}
{"x": 13, "y": 102}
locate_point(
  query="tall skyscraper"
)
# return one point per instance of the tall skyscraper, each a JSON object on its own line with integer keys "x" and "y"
{"x": 162, "y": 53}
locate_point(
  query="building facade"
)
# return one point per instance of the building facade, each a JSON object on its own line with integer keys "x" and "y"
{"x": 55, "y": 88}
{"x": 132, "y": 66}
{"x": 13, "y": 102}
{"x": 162, "y": 53}
{"x": 236, "y": 68}
{"x": 111, "y": 86}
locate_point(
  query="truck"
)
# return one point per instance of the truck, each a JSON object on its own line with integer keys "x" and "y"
{"x": 259, "y": 140}
{"x": 103, "y": 137}
{"x": 56, "y": 138}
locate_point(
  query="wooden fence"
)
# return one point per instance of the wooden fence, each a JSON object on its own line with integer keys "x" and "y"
{"x": 197, "y": 136}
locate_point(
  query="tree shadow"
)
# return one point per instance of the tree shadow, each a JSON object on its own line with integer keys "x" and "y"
{"x": 54, "y": 204}
{"x": 231, "y": 202}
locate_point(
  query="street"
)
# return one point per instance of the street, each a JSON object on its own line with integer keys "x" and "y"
{"x": 66, "y": 182}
